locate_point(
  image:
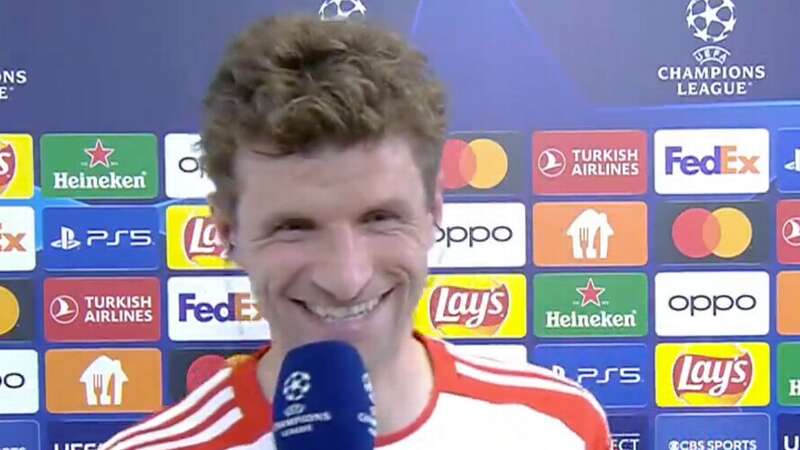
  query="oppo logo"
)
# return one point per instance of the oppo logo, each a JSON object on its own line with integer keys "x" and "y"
{"x": 706, "y": 303}
{"x": 714, "y": 303}
{"x": 13, "y": 380}
{"x": 190, "y": 165}
{"x": 473, "y": 235}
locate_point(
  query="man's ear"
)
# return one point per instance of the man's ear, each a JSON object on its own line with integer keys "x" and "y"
{"x": 224, "y": 222}
{"x": 437, "y": 204}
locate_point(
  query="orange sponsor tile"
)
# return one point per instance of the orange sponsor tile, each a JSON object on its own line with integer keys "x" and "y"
{"x": 590, "y": 234}
{"x": 788, "y": 310}
{"x": 103, "y": 380}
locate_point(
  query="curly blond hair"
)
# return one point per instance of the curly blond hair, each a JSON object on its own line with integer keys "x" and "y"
{"x": 298, "y": 82}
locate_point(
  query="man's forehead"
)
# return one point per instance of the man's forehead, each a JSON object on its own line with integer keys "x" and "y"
{"x": 389, "y": 154}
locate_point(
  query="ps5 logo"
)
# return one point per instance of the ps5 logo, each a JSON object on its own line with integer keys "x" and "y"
{"x": 621, "y": 375}
{"x": 794, "y": 165}
{"x": 134, "y": 238}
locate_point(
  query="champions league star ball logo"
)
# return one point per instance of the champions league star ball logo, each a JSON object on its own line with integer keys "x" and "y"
{"x": 713, "y": 75}
{"x": 711, "y": 21}
{"x": 334, "y": 10}
{"x": 296, "y": 386}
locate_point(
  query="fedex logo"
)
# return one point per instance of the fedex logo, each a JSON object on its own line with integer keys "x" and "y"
{"x": 725, "y": 160}
{"x": 694, "y": 161}
{"x": 214, "y": 309}
{"x": 240, "y": 306}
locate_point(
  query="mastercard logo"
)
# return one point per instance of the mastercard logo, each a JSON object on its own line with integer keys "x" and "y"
{"x": 724, "y": 232}
{"x": 480, "y": 163}
{"x": 9, "y": 311}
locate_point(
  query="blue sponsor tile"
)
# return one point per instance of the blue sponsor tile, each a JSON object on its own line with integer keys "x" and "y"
{"x": 746, "y": 431}
{"x": 619, "y": 375}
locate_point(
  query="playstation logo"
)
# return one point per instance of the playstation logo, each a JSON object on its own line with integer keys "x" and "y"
{"x": 794, "y": 165}
{"x": 67, "y": 240}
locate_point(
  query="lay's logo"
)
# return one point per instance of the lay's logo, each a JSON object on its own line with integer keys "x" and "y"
{"x": 724, "y": 378}
{"x": 718, "y": 375}
{"x": 193, "y": 242}
{"x": 200, "y": 239}
{"x": 8, "y": 165}
{"x": 16, "y": 166}
{"x": 473, "y": 306}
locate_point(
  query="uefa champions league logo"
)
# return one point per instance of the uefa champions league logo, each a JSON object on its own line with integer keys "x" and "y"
{"x": 296, "y": 386}
{"x": 713, "y": 75}
{"x": 333, "y": 10}
{"x": 711, "y": 21}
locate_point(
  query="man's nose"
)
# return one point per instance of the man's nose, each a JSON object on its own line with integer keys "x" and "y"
{"x": 345, "y": 267}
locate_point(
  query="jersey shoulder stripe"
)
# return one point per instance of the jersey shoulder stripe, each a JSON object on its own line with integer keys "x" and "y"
{"x": 205, "y": 404}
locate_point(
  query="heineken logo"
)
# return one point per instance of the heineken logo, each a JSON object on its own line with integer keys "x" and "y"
{"x": 590, "y": 295}
{"x": 568, "y": 305}
{"x": 99, "y": 154}
{"x": 99, "y": 166}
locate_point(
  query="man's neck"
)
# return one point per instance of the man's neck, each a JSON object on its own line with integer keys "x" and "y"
{"x": 403, "y": 383}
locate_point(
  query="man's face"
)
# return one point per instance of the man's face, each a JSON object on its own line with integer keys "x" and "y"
{"x": 336, "y": 243}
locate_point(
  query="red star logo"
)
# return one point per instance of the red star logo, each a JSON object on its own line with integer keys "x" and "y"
{"x": 99, "y": 154}
{"x": 590, "y": 293}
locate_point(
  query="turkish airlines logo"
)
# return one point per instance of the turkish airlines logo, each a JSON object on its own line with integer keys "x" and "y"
{"x": 551, "y": 163}
{"x": 64, "y": 309}
{"x": 610, "y": 162}
{"x": 102, "y": 309}
{"x": 788, "y": 231}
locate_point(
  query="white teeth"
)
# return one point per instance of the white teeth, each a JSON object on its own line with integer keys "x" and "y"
{"x": 332, "y": 313}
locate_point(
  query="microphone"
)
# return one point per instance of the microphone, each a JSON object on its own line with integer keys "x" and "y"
{"x": 324, "y": 400}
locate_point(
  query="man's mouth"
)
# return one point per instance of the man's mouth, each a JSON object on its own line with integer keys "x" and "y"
{"x": 344, "y": 313}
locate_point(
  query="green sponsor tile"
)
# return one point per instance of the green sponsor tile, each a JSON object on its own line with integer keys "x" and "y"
{"x": 568, "y": 305}
{"x": 789, "y": 374}
{"x": 97, "y": 166}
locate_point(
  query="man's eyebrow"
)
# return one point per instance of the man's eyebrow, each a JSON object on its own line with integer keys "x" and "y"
{"x": 392, "y": 204}
{"x": 276, "y": 218}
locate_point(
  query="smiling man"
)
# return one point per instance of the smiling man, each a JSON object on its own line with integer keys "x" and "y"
{"x": 324, "y": 141}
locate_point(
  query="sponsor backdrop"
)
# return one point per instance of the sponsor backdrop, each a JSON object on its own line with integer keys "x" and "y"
{"x": 623, "y": 206}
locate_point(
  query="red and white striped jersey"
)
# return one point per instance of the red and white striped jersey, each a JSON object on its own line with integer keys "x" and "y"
{"x": 476, "y": 404}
